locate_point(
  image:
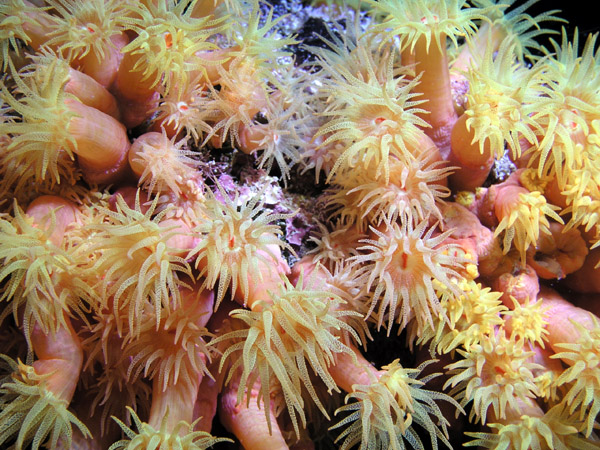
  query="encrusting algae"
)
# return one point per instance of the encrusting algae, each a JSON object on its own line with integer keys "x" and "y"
{"x": 205, "y": 222}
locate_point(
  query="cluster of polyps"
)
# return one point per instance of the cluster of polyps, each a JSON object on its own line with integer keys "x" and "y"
{"x": 121, "y": 261}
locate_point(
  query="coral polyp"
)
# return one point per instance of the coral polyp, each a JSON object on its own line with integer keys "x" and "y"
{"x": 295, "y": 330}
{"x": 399, "y": 269}
{"x": 413, "y": 192}
{"x": 41, "y": 140}
{"x": 385, "y": 411}
{"x": 41, "y": 280}
{"x": 374, "y": 118}
{"x": 34, "y": 414}
{"x": 236, "y": 238}
{"x": 582, "y": 358}
{"x": 137, "y": 265}
{"x": 496, "y": 375}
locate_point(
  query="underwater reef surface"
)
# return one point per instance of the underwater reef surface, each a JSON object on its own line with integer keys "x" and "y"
{"x": 236, "y": 224}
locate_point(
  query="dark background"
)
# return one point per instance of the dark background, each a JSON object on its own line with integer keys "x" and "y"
{"x": 580, "y": 14}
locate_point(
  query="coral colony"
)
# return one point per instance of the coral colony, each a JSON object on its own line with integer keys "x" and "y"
{"x": 201, "y": 233}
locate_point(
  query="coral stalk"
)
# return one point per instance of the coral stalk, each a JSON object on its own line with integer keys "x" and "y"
{"x": 473, "y": 159}
{"x": 60, "y": 356}
{"x": 434, "y": 86}
{"x": 175, "y": 403}
{"x": 91, "y": 93}
{"x": 101, "y": 143}
{"x": 247, "y": 420}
